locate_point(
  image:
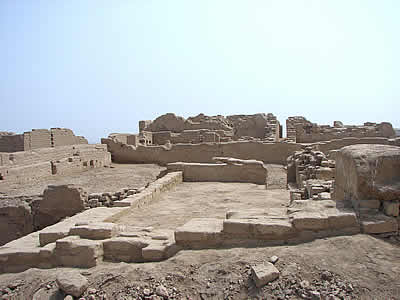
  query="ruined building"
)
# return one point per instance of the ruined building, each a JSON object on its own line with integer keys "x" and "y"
{"x": 300, "y": 130}
{"x": 39, "y": 138}
{"x": 202, "y": 128}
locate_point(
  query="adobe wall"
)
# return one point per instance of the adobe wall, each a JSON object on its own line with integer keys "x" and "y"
{"x": 64, "y": 136}
{"x": 258, "y": 126}
{"x": 300, "y": 130}
{"x": 34, "y": 164}
{"x": 339, "y": 143}
{"x": 275, "y": 153}
{"x": 11, "y": 143}
{"x": 39, "y": 138}
{"x": 225, "y": 170}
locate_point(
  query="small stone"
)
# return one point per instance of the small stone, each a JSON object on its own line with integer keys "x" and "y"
{"x": 92, "y": 297}
{"x": 162, "y": 291}
{"x": 315, "y": 295}
{"x": 69, "y": 297}
{"x": 72, "y": 283}
{"x": 264, "y": 273}
{"x": 326, "y": 275}
{"x": 304, "y": 284}
{"x": 146, "y": 292}
{"x": 92, "y": 291}
{"x": 273, "y": 259}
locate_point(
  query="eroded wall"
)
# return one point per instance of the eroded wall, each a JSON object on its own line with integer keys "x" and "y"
{"x": 39, "y": 163}
{"x": 300, "y": 130}
{"x": 39, "y": 138}
{"x": 266, "y": 152}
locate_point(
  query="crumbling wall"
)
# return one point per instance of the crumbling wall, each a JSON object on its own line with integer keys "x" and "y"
{"x": 300, "y": 130}
{"x": 39, "y": 138}
{"x": 260, "y": 126}
{"x": 266, "y": 152}
{"x": 59, "y": 201}
{"x": 34, "y": 164}
{"x": 16, "y": 219}
{"x": 64, "y": 136}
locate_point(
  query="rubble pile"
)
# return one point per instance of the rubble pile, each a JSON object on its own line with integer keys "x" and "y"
{"x": 310, "y": 175}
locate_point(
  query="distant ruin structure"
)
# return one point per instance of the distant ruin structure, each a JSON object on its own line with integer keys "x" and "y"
{"x": 300, "y": 130}
{"x": 38, "y": 138}
{"x": 202, "y": 128}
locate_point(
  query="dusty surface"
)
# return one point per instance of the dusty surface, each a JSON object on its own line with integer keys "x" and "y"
{"x": 94, "y": 180}
{"x": 204, "y": 199}
{"x": 361, "y": 267}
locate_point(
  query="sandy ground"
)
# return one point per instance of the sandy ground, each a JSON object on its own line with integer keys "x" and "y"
{"x": 204, "y": 199}
{"x": 94, "y": 180}
{"x": 359, "y": 267}
{"x": 364, "y": 266}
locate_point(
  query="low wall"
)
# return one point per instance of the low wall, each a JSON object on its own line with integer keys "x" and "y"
{"x": 41, "y": 249}
{"x": 235, "y": 170}
{"x": 274, "y": 153}
{"x": 339, "y": 143}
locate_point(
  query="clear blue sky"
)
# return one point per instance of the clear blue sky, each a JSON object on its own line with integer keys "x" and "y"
{"x": 100, "y": 66}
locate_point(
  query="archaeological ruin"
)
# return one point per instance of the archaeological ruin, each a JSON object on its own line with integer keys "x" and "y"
{"x": 211, "y": 182}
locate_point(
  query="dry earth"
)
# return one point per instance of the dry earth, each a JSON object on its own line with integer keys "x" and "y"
{"x": 352, "y": 267}
{"x": 94, "y": 180}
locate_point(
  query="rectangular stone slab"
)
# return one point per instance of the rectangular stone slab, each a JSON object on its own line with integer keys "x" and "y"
{"x": 200, "y": 229}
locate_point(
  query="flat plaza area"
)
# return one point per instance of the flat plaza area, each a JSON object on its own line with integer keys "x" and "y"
{"x": 204, "y": 200}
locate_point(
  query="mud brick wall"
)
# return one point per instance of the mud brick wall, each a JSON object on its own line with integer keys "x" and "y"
{"x": 34, "y": 164}
{"x": 266, "y": 152}
{"x": 37, "y": 138}
{"x": 161, "y": 137}
{"x": 25, "y": 173}
{"x": 11, "y": 143}
{"x": 64, "y": 136}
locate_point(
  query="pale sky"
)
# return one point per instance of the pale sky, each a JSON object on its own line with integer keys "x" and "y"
{"x": 101, "y": 66}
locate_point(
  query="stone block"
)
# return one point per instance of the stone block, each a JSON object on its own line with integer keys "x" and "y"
{"x": 73, "y": 251}
{"x": 391, "y": 208}
{"x": 95, "y": 231}
{"x": 368, "y": 172}
{"x": 378, "y": 223}
{"x": 325, "y": 173}
{"x": 264, "y": 273}
{"x": 307, "y": 220}
{"x": 262, "y": 227}
{"x": 160, "y": 251}
{"x": 126, "y": 249}
{"x": 204, "y": 231}
{"x": 50, "y": 235}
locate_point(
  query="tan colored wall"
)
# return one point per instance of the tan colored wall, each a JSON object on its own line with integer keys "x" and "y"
{"x": 11, "y": 143}
{"x": 39, "y": 138}
{"x": 242, "y": 171}
{"x": 266, "y": 152}
{"x": 339, "y": 143}
{"x": 64, "y": 136}
{"x": 35, "y": 164}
